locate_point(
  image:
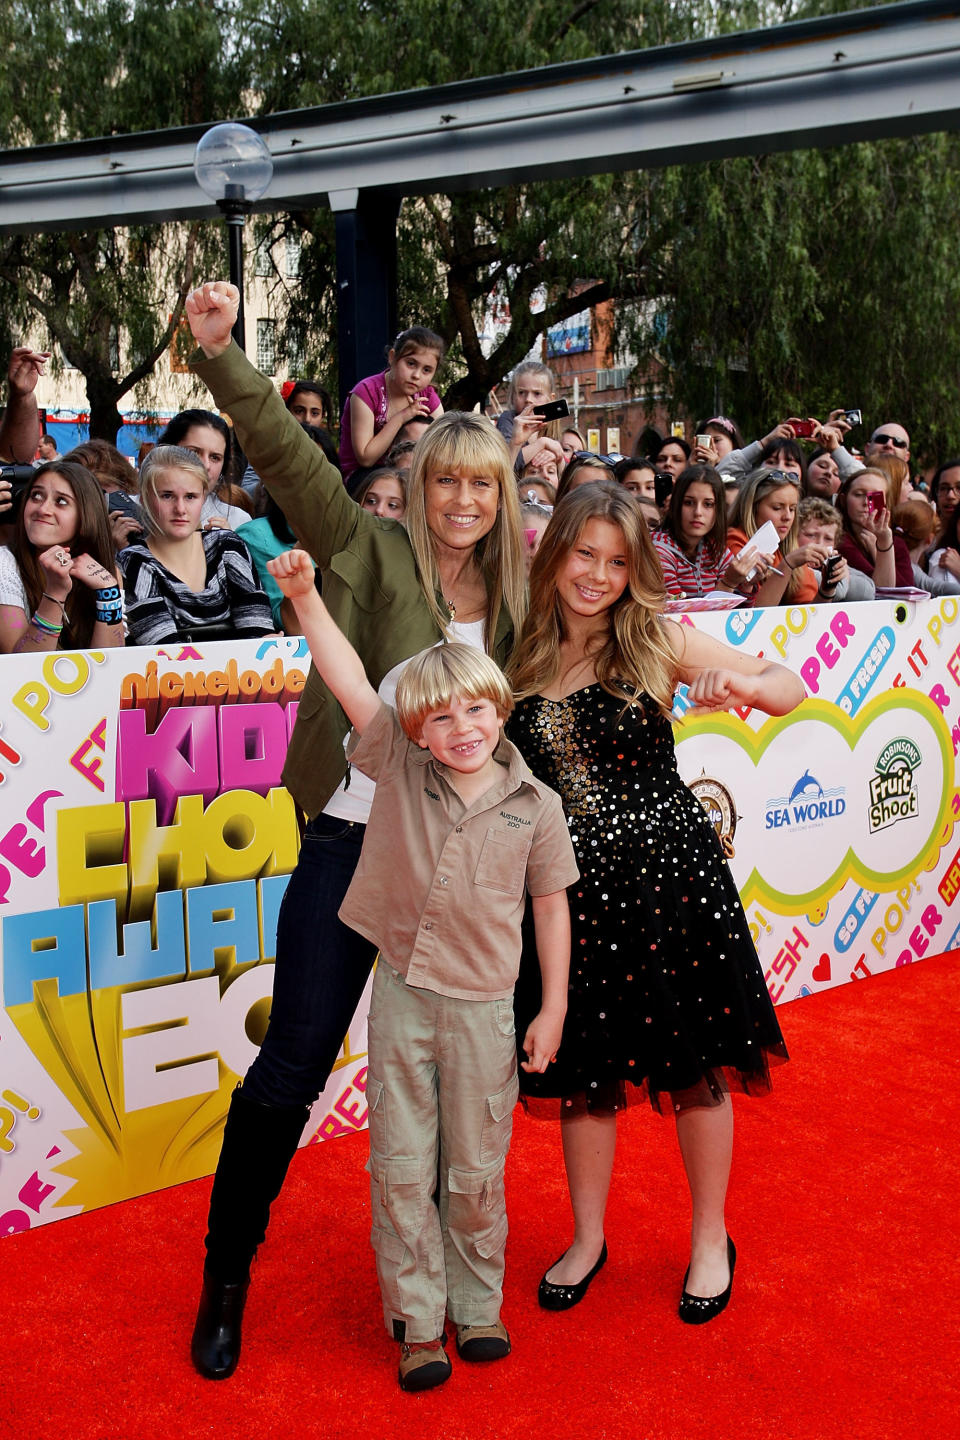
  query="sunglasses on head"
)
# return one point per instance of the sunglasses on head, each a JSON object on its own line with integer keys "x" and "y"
{"x": 785, "y": 475}
{"x": 881, "y": 439}
{"x": 591, "y": 455}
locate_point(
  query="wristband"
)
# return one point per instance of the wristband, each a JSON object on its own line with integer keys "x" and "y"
{"x": 53, "y": 600}
{"x": 109, "y": 608}
{"x": 884, "y": 549}
{"x": 44, "y": 625}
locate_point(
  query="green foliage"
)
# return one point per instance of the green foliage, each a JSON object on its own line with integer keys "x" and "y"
{"x": 832, "y": 274}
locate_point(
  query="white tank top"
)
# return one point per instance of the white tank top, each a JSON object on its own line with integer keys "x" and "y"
{"x": 353, "y": 801}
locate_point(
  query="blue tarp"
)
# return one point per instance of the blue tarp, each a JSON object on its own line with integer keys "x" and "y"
{"x": 69, "y": 430}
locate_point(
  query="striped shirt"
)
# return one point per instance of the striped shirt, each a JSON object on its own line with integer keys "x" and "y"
{"x": 161, "y": 607}
{"x": 684, "y": 577}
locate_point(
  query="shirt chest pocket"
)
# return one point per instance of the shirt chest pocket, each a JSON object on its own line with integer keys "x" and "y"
{"x": 503, "y": 863}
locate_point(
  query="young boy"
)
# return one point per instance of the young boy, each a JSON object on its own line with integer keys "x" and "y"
{"x": 458, "y": 833}
{"x": 818, "y": 523}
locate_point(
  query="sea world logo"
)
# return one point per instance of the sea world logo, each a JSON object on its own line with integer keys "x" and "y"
{"x": 808, "y": 804}
{"x": 893, "y": 792}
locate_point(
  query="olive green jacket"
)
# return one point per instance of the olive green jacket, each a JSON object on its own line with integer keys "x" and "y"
{"x": 371, "y": 585}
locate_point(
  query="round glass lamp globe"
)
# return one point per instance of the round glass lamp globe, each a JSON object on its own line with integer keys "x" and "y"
{"x": 232, "y": 154}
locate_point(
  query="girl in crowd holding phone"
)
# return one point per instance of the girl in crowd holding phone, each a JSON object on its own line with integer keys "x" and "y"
{"x": 530, "y": 384}
{"x": 867, "y": 542}
{"x": 666, "y": 994}
{"x": 455, "y": 571}
{"x": 378, "y": 407}
{"x": 182, "y": 582}
{"x": 58, "y": 589}
{"x": 691, "y": 544}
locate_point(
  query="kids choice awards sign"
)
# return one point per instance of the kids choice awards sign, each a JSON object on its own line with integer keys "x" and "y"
{"x": 146, "y": 841}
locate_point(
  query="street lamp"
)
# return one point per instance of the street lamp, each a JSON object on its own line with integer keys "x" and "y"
{"x": 234, "y": 167}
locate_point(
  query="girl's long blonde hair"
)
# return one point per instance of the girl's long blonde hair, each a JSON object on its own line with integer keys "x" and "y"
{"x": 468, "y": 442}
{"x": 636, "y": 657}
{"x": 756, "y": 487}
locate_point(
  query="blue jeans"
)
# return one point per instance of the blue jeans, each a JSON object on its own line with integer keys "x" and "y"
{"x": 321, "y": 968}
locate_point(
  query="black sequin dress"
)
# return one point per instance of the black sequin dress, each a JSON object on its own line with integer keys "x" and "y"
{"x": 666, "y": 990}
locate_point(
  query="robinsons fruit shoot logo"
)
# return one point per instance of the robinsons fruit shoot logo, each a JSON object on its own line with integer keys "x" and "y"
{"x": 893, "y": 793}
{"x": 807, "y": 804}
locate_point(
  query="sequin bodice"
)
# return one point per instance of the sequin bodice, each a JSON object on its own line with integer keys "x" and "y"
{"x": 593, "y": 753}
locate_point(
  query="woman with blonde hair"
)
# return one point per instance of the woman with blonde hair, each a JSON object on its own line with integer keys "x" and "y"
{"x": 455, "y": 572}
{"x": 666, "y": 994}
{"x": 785, "y": 575}
{"x": 182, "y": 582}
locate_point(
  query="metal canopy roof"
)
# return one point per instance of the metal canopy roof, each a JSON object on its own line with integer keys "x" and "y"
{"x": 892, "y": 70}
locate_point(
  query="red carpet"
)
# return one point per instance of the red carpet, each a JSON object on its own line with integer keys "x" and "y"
{"x": 843, "y": 1319}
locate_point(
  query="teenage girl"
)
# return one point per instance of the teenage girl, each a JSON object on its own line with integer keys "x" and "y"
{"x": 867, "y": 541}
{"x": 787, "y": 575}
{"x": 182, "y": 581}
{"x": 692, "y": 541}
{"x": 666, "y": 994}
{"x": 58, "y": 589}
{"x": 378, "y": 407}
{"x": 456, "y": 570}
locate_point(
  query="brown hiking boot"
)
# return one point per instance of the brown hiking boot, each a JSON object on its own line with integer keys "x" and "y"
{"x": 483, "y": 1342}
{"x": 424, "y": 1364}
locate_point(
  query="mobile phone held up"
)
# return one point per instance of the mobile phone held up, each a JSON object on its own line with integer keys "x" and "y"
{"x": 876, "y": 501}
{"x": 803, "y": 429}
{"x": 662, "y": 487}
{"x": 125, "y": 504}
{"x": 553, "y": 410}
{"x": 853, "y": 417}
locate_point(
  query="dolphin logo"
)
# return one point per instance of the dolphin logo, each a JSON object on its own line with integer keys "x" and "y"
{"x": 804, "y": 785}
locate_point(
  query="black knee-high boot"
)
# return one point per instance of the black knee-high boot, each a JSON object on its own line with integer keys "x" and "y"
{"x": 259, "y": 1141}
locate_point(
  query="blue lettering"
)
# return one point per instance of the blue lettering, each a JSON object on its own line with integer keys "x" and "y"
{"x": 740, "y": 623}
{"x": 47, "y": 945}
{"x": 222, "y": 925}
{"x": 139, "y": 960}
{"x": 865, "y": 672}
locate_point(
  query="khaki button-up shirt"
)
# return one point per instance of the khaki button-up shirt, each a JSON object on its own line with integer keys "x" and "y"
{"x": 440, "y": 887}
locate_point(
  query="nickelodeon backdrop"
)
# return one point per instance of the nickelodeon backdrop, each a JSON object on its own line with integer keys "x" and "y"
{"x": 146, "y": 842}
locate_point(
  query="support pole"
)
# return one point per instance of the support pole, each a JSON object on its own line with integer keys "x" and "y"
{"x": 366, "y": 236}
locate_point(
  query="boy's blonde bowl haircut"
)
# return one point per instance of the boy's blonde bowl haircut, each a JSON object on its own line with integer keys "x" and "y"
{"x": 435, "y": 677}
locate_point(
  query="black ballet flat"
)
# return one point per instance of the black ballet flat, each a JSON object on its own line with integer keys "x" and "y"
{"x": 564, "y": 1297}
{"x": 698, "y": 1309}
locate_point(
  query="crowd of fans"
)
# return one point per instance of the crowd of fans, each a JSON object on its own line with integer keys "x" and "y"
{"x": 94, "y": 551}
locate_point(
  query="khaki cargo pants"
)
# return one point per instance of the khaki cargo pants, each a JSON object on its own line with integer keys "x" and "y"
{"x": 441, "y": 1090}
